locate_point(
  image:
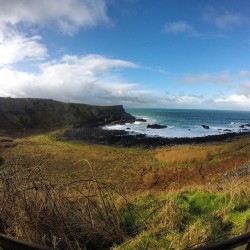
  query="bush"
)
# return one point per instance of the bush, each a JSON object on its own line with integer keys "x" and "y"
{"x": 76, "y": 215}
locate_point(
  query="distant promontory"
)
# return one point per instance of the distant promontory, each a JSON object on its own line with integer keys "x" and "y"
{"x": 47, "y": 114}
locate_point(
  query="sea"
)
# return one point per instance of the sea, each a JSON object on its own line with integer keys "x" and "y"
{"x": 186, "y": 122}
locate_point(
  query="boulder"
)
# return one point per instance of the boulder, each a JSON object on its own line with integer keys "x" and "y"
{"x": 140, "y": 120}
{"x": 205, "y": 126}
{"x": 156, "y": 126}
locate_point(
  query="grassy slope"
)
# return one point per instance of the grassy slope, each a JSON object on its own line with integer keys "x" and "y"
{"x": 67, "y": 160}
{"x": 168, "y": 219}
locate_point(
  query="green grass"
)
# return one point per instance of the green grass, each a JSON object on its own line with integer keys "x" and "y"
{"x": 182, "y": 219}
{"x": 238, "y": 220}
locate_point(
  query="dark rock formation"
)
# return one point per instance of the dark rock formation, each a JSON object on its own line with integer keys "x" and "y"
{"x": 33, "y": 113}
{"x": 140, "y": 120}
{"x": 156, "y": 126}
{"x": 1, "y": 160}
{"x": 244, "y": 125}
{"x": 227, "y": 130}
{"x": 205, "y": 126}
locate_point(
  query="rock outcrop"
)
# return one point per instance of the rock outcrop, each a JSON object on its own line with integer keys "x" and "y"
{"x": 33, "y": 113}
{"x": 140, "y": 120}
{"x": 156, "y": 126}
{"x": 205, "y": 126}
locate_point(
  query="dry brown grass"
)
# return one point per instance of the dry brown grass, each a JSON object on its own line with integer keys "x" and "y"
{"x": 74, "y": 215}
{"x": 189, "y": 154}
{"x": 195, "y": 234}
{"x": 131, "y": 169}
{"x": 123, "y": 167}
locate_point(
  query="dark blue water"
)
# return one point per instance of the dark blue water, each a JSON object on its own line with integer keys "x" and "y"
{"x": 187, "y": 123}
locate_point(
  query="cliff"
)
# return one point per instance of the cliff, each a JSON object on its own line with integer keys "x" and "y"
{"x": 33, "y": 113}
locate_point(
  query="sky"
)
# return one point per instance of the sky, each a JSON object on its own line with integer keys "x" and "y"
{"x": 138, "y": 53}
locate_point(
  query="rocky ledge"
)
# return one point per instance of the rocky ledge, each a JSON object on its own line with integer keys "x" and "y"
{"x": 239, "y": 172}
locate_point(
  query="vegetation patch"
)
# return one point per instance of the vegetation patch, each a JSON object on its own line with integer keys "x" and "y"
{"x": 190, "y": 218}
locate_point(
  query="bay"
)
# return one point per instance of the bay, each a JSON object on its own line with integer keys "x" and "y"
{"x": 186, "y": 122}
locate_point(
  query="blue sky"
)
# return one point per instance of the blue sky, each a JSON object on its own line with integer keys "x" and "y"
{"x": 139, "y": 53}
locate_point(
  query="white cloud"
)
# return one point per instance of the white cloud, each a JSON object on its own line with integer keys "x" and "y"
{"x": 188, "y": 99}
{"x": 245, "y": 89}
{"x": 218, "y": 78}
{"x": 96, "y": 63}
{"x": 88, "y": 79}
{"x": 235, "y": 101}
{"x": 14, "y": 83}
{"x": 178, "y": 27}
{"x": 224, "y": 20}
{"x": 223, "y": 102}
{"x": 69, "y": 15}
{"x": 244, "y": 73}
{"x": 16, "y": 47}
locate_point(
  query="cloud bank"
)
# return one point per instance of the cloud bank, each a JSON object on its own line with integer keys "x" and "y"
{"x": 89, "y": 79}
{"x": 68, "y": 15}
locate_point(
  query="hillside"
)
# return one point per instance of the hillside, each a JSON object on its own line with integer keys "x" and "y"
{"x": 33, "y": 113}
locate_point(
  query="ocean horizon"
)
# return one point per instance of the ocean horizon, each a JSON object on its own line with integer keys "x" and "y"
{"x": 186, "y": 122}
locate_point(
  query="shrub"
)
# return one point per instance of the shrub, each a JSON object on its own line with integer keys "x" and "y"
{"x": 76, "y": 215}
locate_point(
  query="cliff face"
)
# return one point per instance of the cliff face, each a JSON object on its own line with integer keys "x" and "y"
{"x": 32, "y": 113}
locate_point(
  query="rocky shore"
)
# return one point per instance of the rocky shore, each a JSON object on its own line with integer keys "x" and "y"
{"x": 96, "y": 135}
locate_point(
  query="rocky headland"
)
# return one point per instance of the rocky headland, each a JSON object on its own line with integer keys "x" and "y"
{"x": 18, "y": 114}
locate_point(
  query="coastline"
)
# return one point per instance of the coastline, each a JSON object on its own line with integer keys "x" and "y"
{"x": 121, "y": 138}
